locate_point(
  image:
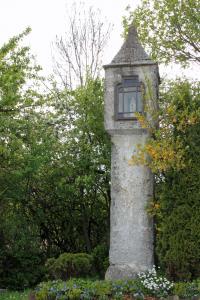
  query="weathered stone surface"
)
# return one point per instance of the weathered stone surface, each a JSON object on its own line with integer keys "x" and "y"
{"x": 116, "y": 272}
{"x": 131, "y": 51}
{"x": 148, "y": 75}
{"x": 131, "y": 236}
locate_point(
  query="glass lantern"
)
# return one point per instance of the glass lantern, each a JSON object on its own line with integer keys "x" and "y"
{"x": 128, "y": 98}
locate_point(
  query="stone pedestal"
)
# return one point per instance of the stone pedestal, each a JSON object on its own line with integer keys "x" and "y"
{"x": 131, "y": 236}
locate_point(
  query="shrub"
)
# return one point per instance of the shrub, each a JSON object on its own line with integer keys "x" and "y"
{"x": 14, "y": 295}
{"x": 69, "y": 265}
{"x": 21, "y": 256}
{"x": 18, "y": 271}
{"x": 100, "y": 259}
{"x": 187, "y": 289}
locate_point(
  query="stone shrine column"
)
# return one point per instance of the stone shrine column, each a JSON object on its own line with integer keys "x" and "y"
{"x": 127, "y": 78}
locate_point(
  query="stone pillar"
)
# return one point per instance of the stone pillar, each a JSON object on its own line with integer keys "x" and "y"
{"x": 131, "y": 236}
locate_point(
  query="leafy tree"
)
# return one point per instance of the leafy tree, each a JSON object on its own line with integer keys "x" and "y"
{"x": 55, "y": 176}
{"x": 172, "y": 152}
{"x": 169, "y": 29}
{"x": 55, "y": 166}
{"x": 178, "y": 110}
{"x": 20, "y": 245}
{"x": 178, "y": 226}
{"x": 70, "y": 192}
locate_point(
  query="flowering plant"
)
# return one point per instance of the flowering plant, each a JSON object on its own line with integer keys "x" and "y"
{"x": 155, "y": 284}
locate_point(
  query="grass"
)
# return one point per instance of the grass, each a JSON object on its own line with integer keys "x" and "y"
{"x": 14, "y": 295}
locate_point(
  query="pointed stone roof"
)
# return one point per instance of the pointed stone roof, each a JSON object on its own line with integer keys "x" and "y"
{"x": 131, "y": 51}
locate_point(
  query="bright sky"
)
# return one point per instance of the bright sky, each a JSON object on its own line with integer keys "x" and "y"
{"x": 47, "y": 18}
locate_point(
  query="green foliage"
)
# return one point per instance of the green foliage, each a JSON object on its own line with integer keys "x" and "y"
{"x": 82, "y": 182}
{"x": 14, "y": 295}
{"x": 169, "y": 29}
{"x": 73, "y": 214}
{"x": 179, "y": 113}
{"x": 20, "y": 252}
{"x": 69, "y": 265}
{"x": 88, "y": 289}
{"x": 174, "y": 151}
{"x": 54, "y": 169}
{"x": 178, "y": 240}
{"x": 100, "y": 259}
{"x": 187, "y": 289}
{"x": 178, "y": 222}
{"x": 84, "y": 289}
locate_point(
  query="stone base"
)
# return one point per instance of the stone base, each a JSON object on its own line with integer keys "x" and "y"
{"x": 116, "y": 272}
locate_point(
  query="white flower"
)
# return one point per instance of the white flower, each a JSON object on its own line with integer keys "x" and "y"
{"x": 158, "y": 285}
